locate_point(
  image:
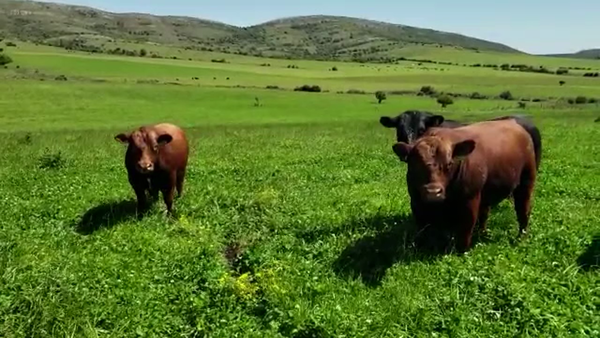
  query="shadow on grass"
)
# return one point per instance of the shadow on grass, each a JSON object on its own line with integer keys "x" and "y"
{"x": 370, "y": 257}
{"x": 590, "y": 259}
{"x": 107, "y": 215}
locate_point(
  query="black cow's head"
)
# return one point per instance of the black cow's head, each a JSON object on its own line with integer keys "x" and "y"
{"x": 411, "y": 124}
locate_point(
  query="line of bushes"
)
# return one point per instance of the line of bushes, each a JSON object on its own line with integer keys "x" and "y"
{"x": 308, "y": 88}
{"x": 582, "y": 100}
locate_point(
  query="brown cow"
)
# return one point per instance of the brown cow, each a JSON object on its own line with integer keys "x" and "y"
{"x": 156, "y": 159}
{"x": 457, "y": 175}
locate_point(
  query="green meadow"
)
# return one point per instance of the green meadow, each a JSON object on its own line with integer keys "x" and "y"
{"x": 295, "y": 219}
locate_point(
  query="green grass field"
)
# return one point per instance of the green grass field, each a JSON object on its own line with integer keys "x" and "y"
{"x": 295, "y": 220}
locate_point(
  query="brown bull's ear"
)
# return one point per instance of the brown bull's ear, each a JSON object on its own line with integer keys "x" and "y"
{"x": 463, "y": 149}
{"x": 164, "y": 139}
{"x": 435, "y": 121}
{"x": 123, "y": 138}
{"x": 387, "y": 122}
{"x": 402, "y": 150}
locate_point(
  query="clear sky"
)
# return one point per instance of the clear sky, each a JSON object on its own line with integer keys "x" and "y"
{"x": 534, "y": 26}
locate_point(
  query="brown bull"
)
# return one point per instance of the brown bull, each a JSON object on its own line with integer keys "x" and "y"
{"x": 455, "y": 176}
{"x": 156, "y": 160}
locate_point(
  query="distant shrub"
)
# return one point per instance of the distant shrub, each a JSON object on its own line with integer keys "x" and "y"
{"x": 5, "y": 59}
{"x": 147, "y": 81}
{"x": 592, "y": 100}
{"x": 334, "y": 69}
{"x": 477, "y": 96}
{"x": 308, "y": 88}
{"x": 562, "y": 83}
{"x": 61, "y": 78}
{"x": 401, "y": 92}
{"x": 537, "y": 100}
{"x": 571, "y": 101}
{"x": 143, "y": 52}
{"x": 380, "y": 96}
{"x": 522, "y": 105}
{"x": 51, "y": 160}
{"x": 427, "y": 90}
{"x": 562, "y": 71}
{"x": 218, "y": 60}
{"x": 293, "y": 67}
{"x": 445, "y": 100}
{"x": 27, "y": 139}
{"x": 591, "y": 74}
{"x": 272, "y": 87}
{"x": 505, "y": 66}
{"x": 355, "y": 91}
{"x": 581, "y": 100}
{"x": 10, "y": 44}
{"x": 265, "y": 65}
{"x": 506, "y": 95}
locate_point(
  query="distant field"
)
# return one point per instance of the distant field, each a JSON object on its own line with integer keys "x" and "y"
{"x": 248, "y": 72}
{"x": 295, "y": 220}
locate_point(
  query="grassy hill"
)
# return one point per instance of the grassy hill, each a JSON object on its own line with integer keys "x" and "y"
{"x": 593, "y": 54}
{"x": 312, "y": 37}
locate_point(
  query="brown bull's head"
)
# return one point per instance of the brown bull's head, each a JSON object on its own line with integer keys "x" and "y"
{"x": 431, "y": 164}
{"x": 144, "y": 146}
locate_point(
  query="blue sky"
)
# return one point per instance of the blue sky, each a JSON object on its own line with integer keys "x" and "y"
{"x": 533, "y": 26}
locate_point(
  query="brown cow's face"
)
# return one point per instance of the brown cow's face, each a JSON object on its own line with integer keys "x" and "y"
{"x": 431, "y": 162}
{"x": 144, "y": 146}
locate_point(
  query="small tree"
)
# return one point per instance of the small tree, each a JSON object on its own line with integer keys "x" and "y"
{"x": 5, "y": 59}
{"x": 143, "y": 52}
{"x": 445, "y": 100}
{"x": 561, "y": 82}
{"x": 477, "y": 96}
{"x": 427, "y": 90}
{"x": 507, "y": 95}
{"x": 380, "y": 96}
{"x": 581, "y": 100}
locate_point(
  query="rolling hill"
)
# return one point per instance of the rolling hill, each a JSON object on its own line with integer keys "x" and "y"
{"x": 593, "y": 54}
{"x": 310, "y": 37}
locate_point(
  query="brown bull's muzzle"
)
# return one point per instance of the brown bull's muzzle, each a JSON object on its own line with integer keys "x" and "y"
{"x": 145, "y": 167}
{"x": 433, "y": 193}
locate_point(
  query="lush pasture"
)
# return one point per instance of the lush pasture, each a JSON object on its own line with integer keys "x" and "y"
{"x": 295, "y": 220}
{"x": 248, "y": 72}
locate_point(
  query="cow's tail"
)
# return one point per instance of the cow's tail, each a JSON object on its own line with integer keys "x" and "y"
{"x": 536, "y": 137}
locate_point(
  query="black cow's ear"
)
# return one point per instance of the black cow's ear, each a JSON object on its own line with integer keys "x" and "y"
{"x": 463, "y": 149}
{"x": 164, "y": 139}
{"x": 434, "y": 121}
{"x": 387, "y": 122}
{"x": 123, "y": 138}
{"x": 402, "y": 150}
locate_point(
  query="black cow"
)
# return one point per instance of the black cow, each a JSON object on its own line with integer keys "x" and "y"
{"x": 412, "y": 124}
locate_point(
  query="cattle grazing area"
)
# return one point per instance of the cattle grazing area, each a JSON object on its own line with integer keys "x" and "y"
{"x": 295, "y": 218}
